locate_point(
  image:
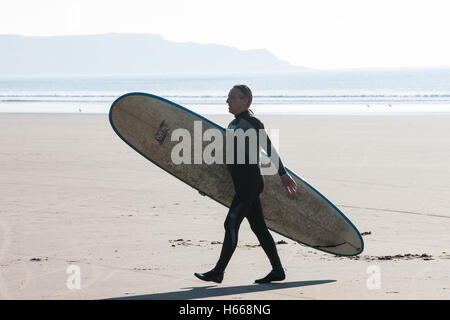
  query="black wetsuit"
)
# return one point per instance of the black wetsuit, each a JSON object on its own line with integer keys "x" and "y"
{"x": 248, "y": 183}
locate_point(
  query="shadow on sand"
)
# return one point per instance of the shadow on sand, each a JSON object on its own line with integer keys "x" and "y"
{"x": 215, "y": 291}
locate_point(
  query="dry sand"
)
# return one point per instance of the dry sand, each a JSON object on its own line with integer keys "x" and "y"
{"x": 73, "y": 195}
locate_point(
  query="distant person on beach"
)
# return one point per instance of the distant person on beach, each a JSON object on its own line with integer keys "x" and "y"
{"x": 248, "y": 184}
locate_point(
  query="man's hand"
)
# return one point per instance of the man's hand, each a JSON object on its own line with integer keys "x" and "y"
{"x": 289, "y": 184}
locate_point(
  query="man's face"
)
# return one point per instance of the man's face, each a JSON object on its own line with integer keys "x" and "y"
{"x": 236, "y": 104}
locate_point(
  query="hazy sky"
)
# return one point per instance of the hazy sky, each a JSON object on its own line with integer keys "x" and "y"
{"x": 316, "y": 33}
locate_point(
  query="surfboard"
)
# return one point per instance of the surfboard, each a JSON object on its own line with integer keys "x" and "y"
{"x": 146, "y": 123}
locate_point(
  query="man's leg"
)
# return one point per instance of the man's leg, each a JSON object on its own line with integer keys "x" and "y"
{"x": 238, "y": 210}
{"x": 259, "y": 227}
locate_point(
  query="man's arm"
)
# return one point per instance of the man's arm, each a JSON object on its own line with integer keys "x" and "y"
{"x": 288, "y": 183}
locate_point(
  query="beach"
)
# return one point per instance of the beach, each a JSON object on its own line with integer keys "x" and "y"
{"x": 83, "y": 216}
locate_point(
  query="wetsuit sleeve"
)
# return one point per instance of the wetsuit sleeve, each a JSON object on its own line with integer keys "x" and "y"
{"x": 270, "y": 149}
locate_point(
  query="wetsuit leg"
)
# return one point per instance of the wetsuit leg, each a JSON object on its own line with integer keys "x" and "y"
{"x": 259, "y": 227}
{"x": 239, "y": 208}
{"x": 248, "y": 184}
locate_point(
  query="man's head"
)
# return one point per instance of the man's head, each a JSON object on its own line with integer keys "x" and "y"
{"x": 239, "y": 99}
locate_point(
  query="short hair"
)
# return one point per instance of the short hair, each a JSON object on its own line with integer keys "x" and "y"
{"x": 245, "y": 93}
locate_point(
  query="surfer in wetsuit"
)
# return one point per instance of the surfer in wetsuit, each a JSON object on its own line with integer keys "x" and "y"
{"x": 248, "y": 184}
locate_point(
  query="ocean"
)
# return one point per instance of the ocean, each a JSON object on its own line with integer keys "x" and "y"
{"x": 348, "y": 92}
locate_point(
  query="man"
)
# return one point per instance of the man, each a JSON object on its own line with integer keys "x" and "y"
{"x": 248, "y": 184}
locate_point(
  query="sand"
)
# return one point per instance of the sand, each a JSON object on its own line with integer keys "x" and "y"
{"x": 83, "y": 216}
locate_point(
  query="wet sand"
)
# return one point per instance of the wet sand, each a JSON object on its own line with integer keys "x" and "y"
{"x": 75, "y": 198}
